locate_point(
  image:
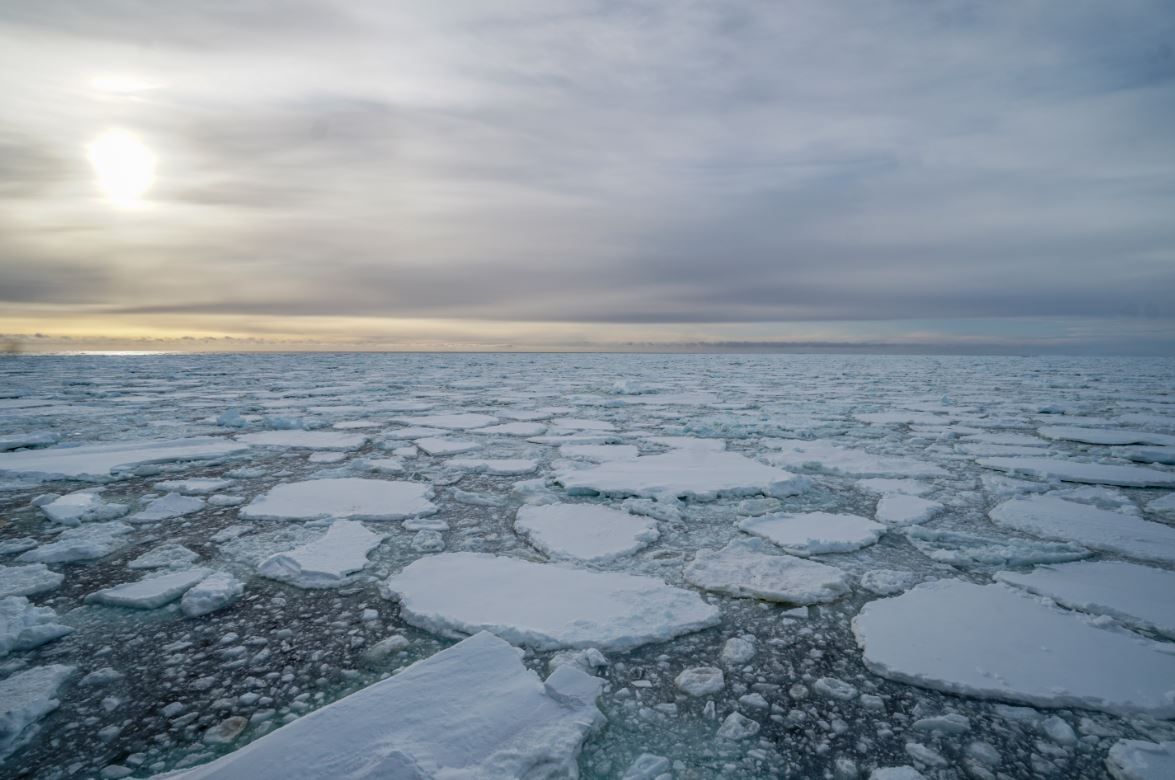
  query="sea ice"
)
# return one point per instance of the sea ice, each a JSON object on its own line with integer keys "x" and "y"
{"x": 1075, "y": 471}
{"x": 1108, "y": 436}
{"x": 886, "y": 582}
{"x": 24, "y": 626}
{"x": 328, "y": 560}
{"x": 194, "y": 487}
{"x": 25, "y": 698}
{"x": 498, "y": 467}
{"x": 902, "y": 509}
{"x": 1164, "y": 505}
{"x": 28, "y": 580}
{"x": 814, "y": 533}
{"x": 167, "y": 507}
{"x": 459, "y": 422}
{"x": 700, "y": 680}
{"x": 826, "y": 456}
{"x": 99, "y": 462}
{"x": 544, "y": 606}
{"x": 745, "y": 568}
{"x": 885, "y": 485}
{"x": 586, "y": 532}
{"x": 1135, "y": 595}
{"x": 992, "y": 641}
{"x": 305, "y": 440}
{"x": 515, "y": 429}
{"x": 216, "y": 591}
{"x": 958, "y": 548}
{"x": 84, "y": 543}
{"x": 346, "y": 498}
{"x": 150, "y": 592}
{"x": 445, "y": 445}
{"x": 166, "y": 556}
{"x": 1098, "y": 529}
{"x": 1136, "y": 759}
{"x": 1164, "y": 455}
{"x": 470, "y": 711}
{"x": 694, "y": 473}
{"x": 82, "y": 506}
{"x": 599, "y": 452}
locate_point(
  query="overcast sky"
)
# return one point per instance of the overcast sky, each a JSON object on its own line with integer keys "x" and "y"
{"x": 544, "y": 173}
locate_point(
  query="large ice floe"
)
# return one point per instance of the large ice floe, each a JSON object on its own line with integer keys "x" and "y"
{"x": 327, "y": 561}
{"x": 699, "y": 473}
{"x": 344, "y": 498}
{"x": 1136, "y": 759}
{"x": 25, "y": 698}
{"x": 84, "y": 543}
{"x": 100, "y": 462}
{"x": 1135, "y": 595}
{"x": 587, "y": 532}
{"x": 1076, "y": 471}
{"x": 1052, "y": 517}
{"x": 151, "y": 592}
{"x": 306, "y": 440}
{"x": 814, "y": 533}
{"x": 544, "y": 606}
{"x": 826, "y": 456}
{"x": 28, "y": 580}
{"x": 994, "y": 641}
{"x": 471, "y": 711}
{"x": 750, "y": 567}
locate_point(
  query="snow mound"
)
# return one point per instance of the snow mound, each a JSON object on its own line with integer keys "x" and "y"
{"x": 586, "y": 532}
{"x": 24, "y": 626}
{"x": 694, "y": 473}
{"x": 327, "y": 561}
{"x": 992, "y": 641}
{"x": 150, "y": 592}
{"x": 1099, "y": 529}
{"x": 1133, "y": 594}
{"x": 1088, "y": 473}
{"x": 343, "y": 498}
{"x": 305, "y": 440}
{"x": 814, "y": 533}
{"x": 744, "y": 568}
{"x": 99, "y": 462}
{"x": 471, "y": 711}
{"x": 544, "y": 606}
{"x": 25, "y": 698}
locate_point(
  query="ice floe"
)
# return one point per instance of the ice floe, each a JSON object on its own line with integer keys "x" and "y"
{"x": 98, "y": 462}
{"x": 305, "y": 440}
{"x": 328, "y": 560}
{"x": 25, "y": 698}
{"x": 826, "y": 456}
{"x": 528, "y": 603}
{"x": 1136, "y": 759}
{"x": 1076, "y": 471}
{"x": 445, "y": 445}
{"x": 747, "y": 567}
{"x": 24, "y": 626}
{"x": 342, "y": 498}
{"x": 586, "y": 532}
{"x": 814, "y": 533}
{"x": 28, "y": 580}
{"x": 471, "y": 711}
{"x": 194, "y": 487}
{"x": 993, "y": 641}
{"x": 963, "y": 549}
{"x": 1107, "y": 436}
{"x": 903, "y": 509}
{"x": 451, "y": 421}
{"x": 216, "y": 591}
{"x": 167, "y": 507}
{"x": 151, "y": 592}
{"x": 84, "y": 543}
{"x": 82, "y": 506}
{"x": 499, "y": 467}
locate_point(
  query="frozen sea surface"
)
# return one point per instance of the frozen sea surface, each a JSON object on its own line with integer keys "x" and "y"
{"x": 285, "y": 552}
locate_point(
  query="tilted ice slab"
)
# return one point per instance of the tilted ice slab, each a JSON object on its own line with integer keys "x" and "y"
{"x": 1074, "y": 471}
{"x": 28, "y": 580}
{"x": 150, "y": 592}
{"x": 1135, "y": 595}
{"x": 327, "y": 561}
{"x": 214, "y": 592}
{"x": 1109, "y": 436}
{"x": 1099, "y": 529}
{"x": 992, "y": 641}
{"x": 544, "y": 606}
{"x": 962, "y": 549}
{"x": 696, "y": 473}
{"x": 471, "y": 711}
{"x": 825, "y": 456}
{"x": 24, "y": 626}
{"x": 82, "y": 506}
{"x": 169, "y": 555}
{"x": 459, "y": 422}
{"x": 345, "y": 498}
{"x": 902, "y": 509}
{"x": 98, "y": 462}
{"x": 746, "y": 568}
{"x": 84, "y": 543}
{"x": 1145, "y": 454}
{"x": 1135, "y": 759}
{"x": 444, "y": 445}
{"x": 16, "y": 441}
{"x": 25, "y": 698}
{"x": 305, "y": 440}
{"x": 167, "y": 507}
{"x": 586, "y": 532}
{"x": 814, "y": 533}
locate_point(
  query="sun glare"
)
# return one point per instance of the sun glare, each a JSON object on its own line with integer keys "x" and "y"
{"x": 125, "y": 167}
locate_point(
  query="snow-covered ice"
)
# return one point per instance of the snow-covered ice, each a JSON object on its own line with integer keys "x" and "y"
{"x": 904, "y": 509}
{"x": 1076, "y": 471}
{"x": 748, "y": 567}
{"x": 82, "y": 506}
{"x": 445, "y": 445}
{"x": 827, "y": 456}
{"x": 167, "y": 507}
{"x": 814, "y": 533}
{"x": 328, "y": 560}
{"x": 352, "y": 498}
{"x": 1136, "y": 759}
{"x": 84, "y": 543}
{"x": 100, "y": 462}
{"x": 193, "y": 487}
{"x": 216, "y": 591}
{"x": 471, "y": 711}
{"x": 151, "y": 592}
{"x": 25, "y": 698}
{"x": 28, "y": 580}
{"x": 587, "y": 532}
{"x": 532, "y": 603}
{"x": 454, "y": 421}
{"x": 1133, "y": 594}
{"x": 24, "y": 626}
{"x": 499, "y": 467}
{"x": 305, "y": 440}
{"x": 993, "y": 641}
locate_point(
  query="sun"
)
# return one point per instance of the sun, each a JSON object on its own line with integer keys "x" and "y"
{"x": 125, "y": 167}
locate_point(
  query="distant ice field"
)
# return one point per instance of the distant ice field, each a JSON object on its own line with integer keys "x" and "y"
{"x": 632, "y": 567}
